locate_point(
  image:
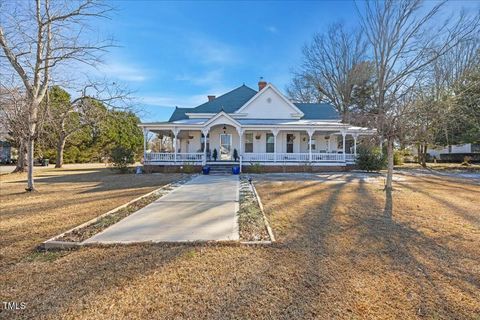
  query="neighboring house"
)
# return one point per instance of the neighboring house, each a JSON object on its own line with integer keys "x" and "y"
{"x": 5, "y": 146}
{"x": 5, "y": 152}
{"x": 460, "y": 148}
{"x": 456, "y": 153}
{"x": 262, "y": 126}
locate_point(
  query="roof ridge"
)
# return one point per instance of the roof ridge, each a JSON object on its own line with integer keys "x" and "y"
{"x": 220, "y": 96}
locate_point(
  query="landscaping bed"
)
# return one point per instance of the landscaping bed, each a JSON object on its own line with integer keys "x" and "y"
{"x": 251, "y": 220}
{"x": 94, "y": 226}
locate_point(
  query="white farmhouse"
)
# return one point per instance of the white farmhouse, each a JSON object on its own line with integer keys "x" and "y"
{"x": 247, "y": 127}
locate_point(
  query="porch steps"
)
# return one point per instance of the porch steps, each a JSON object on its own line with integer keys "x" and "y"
{"x": 221, "y": 169}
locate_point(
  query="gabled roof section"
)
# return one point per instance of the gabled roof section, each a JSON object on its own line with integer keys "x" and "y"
{"x": 274, "y": 89}
{"x": 226, "y": 119}
{"x": 235, "y": 100}
{"x": 323, "y": 111}
{"x": 230, "y": 101}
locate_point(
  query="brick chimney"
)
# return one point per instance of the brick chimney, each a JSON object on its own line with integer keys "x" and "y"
{"x": 261, "y": 84}
{"x": 211, "y": 98}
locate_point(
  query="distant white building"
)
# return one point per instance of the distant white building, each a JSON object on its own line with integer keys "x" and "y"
{"x": 460, "y": 148}
{"x": 5, "y": 146}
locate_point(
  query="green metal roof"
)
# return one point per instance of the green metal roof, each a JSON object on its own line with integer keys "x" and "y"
{"x": 321, "y": 111}
{"x": 179, "y": 114}
{"x": 235, "y": 99}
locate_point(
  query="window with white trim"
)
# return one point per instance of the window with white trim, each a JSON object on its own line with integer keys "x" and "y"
{"x": 248, "y": 142}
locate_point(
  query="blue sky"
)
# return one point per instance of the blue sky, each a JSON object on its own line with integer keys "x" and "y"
{"x": 177, "y": 53}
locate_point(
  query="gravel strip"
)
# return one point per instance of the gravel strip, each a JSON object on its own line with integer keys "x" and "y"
{"x": 250, "y": 218}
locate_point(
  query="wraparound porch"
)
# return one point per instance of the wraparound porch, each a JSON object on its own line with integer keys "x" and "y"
{"x": 329, "y": 144}
{"x": 152, "y": 158}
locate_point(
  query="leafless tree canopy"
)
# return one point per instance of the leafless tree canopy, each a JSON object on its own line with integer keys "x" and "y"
{"x": 39, "y": 37}
{"x": 404, "y": 39}
{"x": 333, "y": 65}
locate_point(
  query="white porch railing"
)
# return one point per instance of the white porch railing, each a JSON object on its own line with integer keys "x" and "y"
{"x": 297, "y": 157}
{"x": 319, "y": 157}
{"x": 350, "y": 158}
{"x": 260, "y": 157}
{"x": 171, "y": 157}
{"x": 292, "y": 157}
{"x": 190, "y": 157}
{"x": 155, "y": 157}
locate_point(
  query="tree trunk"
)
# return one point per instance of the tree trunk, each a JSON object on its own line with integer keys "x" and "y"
{"x": 424, "y": 156}
{"x": 389, "y": 183}
{"x": 30, "y": 157}
{"x": 60, "y": 148}
{"x": 21, "y": 160}
{"x": 419, "y": 153}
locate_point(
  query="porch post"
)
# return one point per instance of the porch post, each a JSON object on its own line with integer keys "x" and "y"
{"x": 175, "y": 133}
{"x": 310, "y": 134}
{"x": 145, "y": 133}
{"x": 240, "y": 141}
{"x": 205, "y": 133}
{"x": 344, "y": 134}
{"x": 275, "y": 132}
{"x": 355, "y": 136}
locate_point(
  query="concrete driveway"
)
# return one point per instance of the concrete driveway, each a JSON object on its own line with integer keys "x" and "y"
{"x": 203, "y": 209}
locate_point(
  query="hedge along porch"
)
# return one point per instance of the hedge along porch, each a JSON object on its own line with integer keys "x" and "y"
{"x": 263, "y": 127}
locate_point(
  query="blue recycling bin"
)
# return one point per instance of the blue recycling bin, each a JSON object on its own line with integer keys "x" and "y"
{"x": 206, "y": 170}
{"x": 236, "y": 170}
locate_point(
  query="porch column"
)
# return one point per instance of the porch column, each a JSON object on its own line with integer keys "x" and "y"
{"x": 175, "y": 134}
{"x": 240, "y": 132}
{"x": 145, "y": 133}
{"x": 275, "y": 132}
{"x": 310, "y": 134}
{"x": 344, "y": 134}
{"x": 205, "y": 133}
{"x": 355, "y": 136}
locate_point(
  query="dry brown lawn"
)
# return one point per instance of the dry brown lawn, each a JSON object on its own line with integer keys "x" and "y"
{"x": 65, "y": 198}
{"x": 340, "y": 255}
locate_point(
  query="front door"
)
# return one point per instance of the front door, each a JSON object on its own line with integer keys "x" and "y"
{"x": 225, "y": 146}
{"x": 290, "y": 138}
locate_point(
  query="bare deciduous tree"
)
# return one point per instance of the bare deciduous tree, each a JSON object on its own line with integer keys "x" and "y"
{"x": 431, "y": 117}
{"x": 333, "y": 66}
{"x": 404, "y": 38}
{"x": 40, "y": 37}
{"x": 14, "y": 119}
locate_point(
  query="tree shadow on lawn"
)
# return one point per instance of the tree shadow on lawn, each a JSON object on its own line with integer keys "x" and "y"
{"x": 80, "y": 277}
{"x": 422, "y": 258}
{"x": 471, "y": 218}
{"x": 303, "y": 276}
{"x": 439, "y": 179}
{"x": 291, "y": 280}
{"x": 375, "y": 235}
{"x": 105, "y": 179}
